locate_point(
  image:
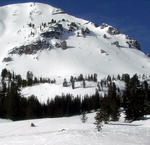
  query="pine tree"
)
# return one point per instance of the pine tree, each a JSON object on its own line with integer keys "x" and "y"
{"x": 29, "y": 78}
{"x": 80, "y": 78}
{"x": 109, "y": 78}
{"x": 98, "y": 86}
{"x": 13, "y": 102}
{"x": 84, "y": 84}
{"x": 99, "y": 118}
{"x": 114, "y": 102}
{"x": 147, "y": 98}
{"x": 33, "y": 109}
{"x": 65, "y": 84}
{"x": 133, "y": 99}
{"x": 84, "y": 117}
{"x": 118, "y": 77}
{"x": 73, "y": 84}
{"x": 95, "y": 78}
{"x": 4, "y": 73}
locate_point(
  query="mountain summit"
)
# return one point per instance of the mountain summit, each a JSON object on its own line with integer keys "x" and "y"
{"x": 47, "y": 41}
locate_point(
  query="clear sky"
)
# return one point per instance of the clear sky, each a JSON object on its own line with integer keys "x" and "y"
{"x": 132, "y": 17}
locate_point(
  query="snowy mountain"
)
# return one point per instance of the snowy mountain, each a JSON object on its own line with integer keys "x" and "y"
{"x": 47, "y": 41}
{"x": 39, "y": 38}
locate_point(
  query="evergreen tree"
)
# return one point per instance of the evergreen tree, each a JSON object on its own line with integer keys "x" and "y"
{"x": 133, "y": 99}
{"x": 4, "y": 73}
{"x": 80, "y": 78}
{"x": 33, "y": 109}
{"x": 29, "y": 78}
{"x": 13, "y": 102}
{"x": 109, "y": 78}
{"x": 19, "y": 80}
{"x": 84, "y": 117}
{"x": 73, "y": 84}
{"x": 114, "y": 102}
{"x": 105, "y": 108}
{"x": 118, "y": 77}
{"x": 84, "y": 84}
{"x": 126, "y": 78}
{"x": 95, "y": 78}
{"x": 65, "y": 84}
{"x": 99, "y": 118}
{"x": 98, "y": 86}
{"x": 147, "y": 98}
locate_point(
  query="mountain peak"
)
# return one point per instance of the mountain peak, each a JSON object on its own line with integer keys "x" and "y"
{"x": 47, "y": 41}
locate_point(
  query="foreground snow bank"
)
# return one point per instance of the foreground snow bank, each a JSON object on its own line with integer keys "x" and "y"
{"x": 70, "y": 131}
{"x": 4, "y": 120}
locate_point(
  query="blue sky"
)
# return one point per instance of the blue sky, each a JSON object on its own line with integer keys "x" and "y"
{"x": 132, "y": 17}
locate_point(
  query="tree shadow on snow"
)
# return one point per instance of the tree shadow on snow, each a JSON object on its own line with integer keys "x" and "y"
{"x": 124, "y": 124}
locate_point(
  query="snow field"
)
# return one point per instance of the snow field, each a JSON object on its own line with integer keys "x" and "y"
{"x": 71, "y": 131}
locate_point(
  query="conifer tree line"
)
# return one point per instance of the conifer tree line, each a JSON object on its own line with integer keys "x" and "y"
{"x": 8, "y": 77}
{"x": 135, "y": 99}
{"x": 16, "y": 107}
{"x": 80, "y": 78}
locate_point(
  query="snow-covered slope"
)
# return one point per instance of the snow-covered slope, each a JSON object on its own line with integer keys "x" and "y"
{"x": 49, "y": 91}
{"x": 32, "y": 36}
{"x": 71, "y": 131}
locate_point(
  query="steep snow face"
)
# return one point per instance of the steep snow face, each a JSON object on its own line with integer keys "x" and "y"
{"x": 45, "y": 40}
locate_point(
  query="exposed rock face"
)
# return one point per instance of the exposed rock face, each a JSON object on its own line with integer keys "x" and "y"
{"x": 54, "y": 31}
{"x": 113, "y": 31}
{"x": 116, "y": 43}
{"x": 48, "y": 33}
{"x": 32, "y": 48}
{"x": 57, "y": 11}
{"x": 148, "y": 55}
{"x": 51, "y": 34}
{"x": 73, "y": 27}
{"x": 35, "y": 47}
{"x": 104, "y": 26}
{"x": 7, "y": 59}
{"x": 134, "y": 44}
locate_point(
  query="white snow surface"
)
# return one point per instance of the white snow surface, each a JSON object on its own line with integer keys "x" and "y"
{"x": 46, "y": 91}
{"x": 49, "y": 91}
{"x": 71, "y": 131}
{"x": 4, "y": 120}
{"x": 83, "y": 55}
